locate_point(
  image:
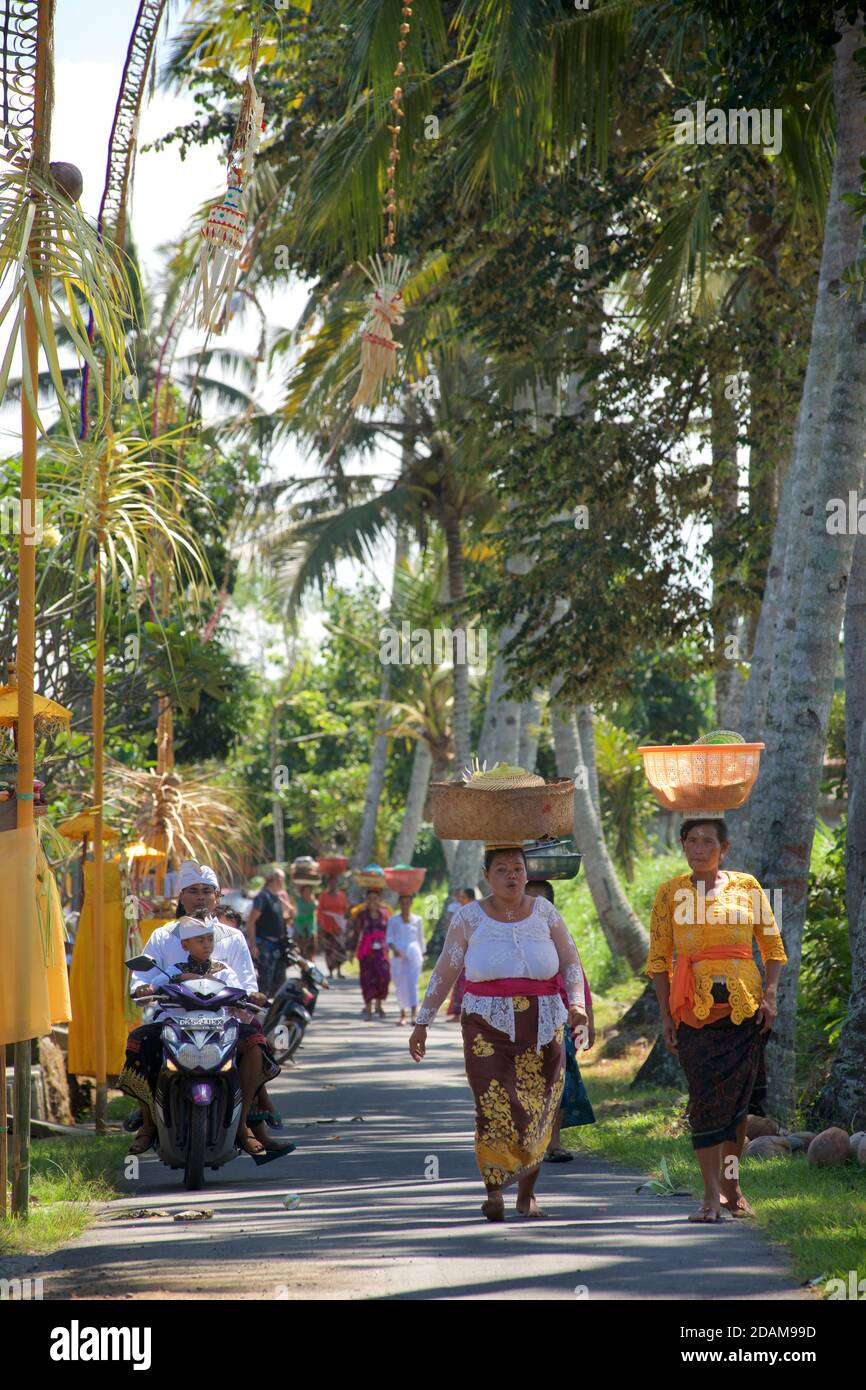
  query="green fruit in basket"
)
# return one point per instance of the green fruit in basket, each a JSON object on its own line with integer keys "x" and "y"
{"x": 722, "y": 736}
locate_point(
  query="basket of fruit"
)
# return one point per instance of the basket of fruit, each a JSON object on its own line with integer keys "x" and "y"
{"x": 373, "y": 876}
{"x": 402, "y": 878}
{"x": 716, "y": 773}
{"x": 332, "y": 865}
{"x": 505, "y": 804}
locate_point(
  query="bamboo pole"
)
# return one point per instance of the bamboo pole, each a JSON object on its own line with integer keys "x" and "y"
{"x": 98, "y": 903}
{"x": 24, "y": 657}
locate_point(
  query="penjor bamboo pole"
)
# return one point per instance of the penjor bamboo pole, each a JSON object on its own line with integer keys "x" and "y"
{"x": 26, "y": 643}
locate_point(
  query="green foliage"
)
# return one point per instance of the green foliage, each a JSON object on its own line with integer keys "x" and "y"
{"x": 825, "y": 974}
{"x": 626, "y": 799}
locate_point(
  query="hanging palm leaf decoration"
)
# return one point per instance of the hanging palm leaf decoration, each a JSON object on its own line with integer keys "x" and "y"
{"x": 223, "y": 234}
{"x": 387, "y": 273}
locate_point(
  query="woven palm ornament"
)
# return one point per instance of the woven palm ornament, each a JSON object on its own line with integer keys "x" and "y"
{"x": 223, "y": 235}
{"x": 388, "y": 272}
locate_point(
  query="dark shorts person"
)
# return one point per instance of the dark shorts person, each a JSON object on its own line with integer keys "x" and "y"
{"x": 271, "y": 965}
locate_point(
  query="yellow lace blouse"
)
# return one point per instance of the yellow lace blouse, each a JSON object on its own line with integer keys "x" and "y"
{"x": 684, "y": 919}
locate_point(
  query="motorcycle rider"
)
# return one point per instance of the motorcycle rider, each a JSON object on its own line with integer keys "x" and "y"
{"x": 198, "y": 891}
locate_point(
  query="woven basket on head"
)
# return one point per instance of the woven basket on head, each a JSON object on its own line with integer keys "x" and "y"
{"x": 698, "y": 777}
{"x": 530, "y": 810}
{"x": 364, "y": 880}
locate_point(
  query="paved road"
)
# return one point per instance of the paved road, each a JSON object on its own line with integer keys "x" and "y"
{"x": 372, "y": 1224}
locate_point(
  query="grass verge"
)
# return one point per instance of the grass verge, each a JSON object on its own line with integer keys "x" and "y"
{"x": 67, "y": 1175}
{"x": 818, "y": 1214}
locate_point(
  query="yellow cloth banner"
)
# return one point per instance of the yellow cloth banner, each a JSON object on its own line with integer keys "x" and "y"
{"x": 82, "y": 1040}
{"x": 50, "y": 910}
{"x": 148, "y": 925}
{"x": 24, "y": 1006}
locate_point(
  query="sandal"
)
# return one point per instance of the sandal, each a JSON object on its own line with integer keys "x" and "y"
{"x": 559, "y": 1155}
{"x": 143, "y": 1141}
{"x": 260, "y": 1154}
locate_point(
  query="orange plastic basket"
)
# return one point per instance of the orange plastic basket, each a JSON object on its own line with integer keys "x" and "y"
{"x": 404, "y": 880}
{"x": 702, "y": 776}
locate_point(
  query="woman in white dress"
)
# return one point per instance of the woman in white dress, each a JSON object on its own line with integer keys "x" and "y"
{"x": 405, "y": 940}
{"x": 513, "y": 947}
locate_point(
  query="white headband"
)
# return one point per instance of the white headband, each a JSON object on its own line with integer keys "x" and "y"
{"x": 190, "y": 873}
{"x": 191, "y": 926}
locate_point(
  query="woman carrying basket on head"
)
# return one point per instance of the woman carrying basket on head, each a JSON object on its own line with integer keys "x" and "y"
{"x": 512, "y": 947}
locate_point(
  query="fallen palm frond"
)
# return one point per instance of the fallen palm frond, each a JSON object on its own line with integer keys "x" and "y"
{"x": 186, "y": 815}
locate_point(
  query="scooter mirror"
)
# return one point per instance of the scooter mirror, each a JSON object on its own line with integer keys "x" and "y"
{"x": 141, "y": 963}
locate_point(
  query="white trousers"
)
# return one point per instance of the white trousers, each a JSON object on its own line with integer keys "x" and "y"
{"x": 405, "y": 974}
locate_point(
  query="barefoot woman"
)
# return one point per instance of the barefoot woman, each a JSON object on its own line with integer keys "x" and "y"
{"x": 715, "y": 1014}
{"x": 513, "y": 1023}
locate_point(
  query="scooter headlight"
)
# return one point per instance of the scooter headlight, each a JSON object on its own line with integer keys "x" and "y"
{"x": 170, "y": 1035}
{"x": 207, "y": 1057}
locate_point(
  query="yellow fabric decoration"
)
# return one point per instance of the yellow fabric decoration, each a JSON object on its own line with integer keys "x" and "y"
{"x": 25, "y": 1011}
{"x": 49, "y": 910}
{"x": 82, "y": 1042}
{"x": 148, "y": 925}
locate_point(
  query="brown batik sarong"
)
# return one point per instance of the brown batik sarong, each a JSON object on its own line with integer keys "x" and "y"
{"x": 725, "y": 1069}
{"x": 517, "y": 1092}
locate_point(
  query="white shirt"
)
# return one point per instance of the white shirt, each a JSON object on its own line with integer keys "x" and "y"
{"x": 405, "y": 934}
{"x": 535, "y": 948}
{"x": 166, "y": 948}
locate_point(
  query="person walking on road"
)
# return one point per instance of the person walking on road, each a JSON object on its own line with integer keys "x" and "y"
{"x": 331, "y": 916}
{"x": 370, "y": 927}
{"x": 575, "y": 1108}
{"x": 405, "y": 939}
{"x": 513, "y": 1021}
{"x": 267, "y": 933}
{"x": 455, "y": 1003}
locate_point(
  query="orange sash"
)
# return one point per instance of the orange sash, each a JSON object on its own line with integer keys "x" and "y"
{"x": 683, "y": 988}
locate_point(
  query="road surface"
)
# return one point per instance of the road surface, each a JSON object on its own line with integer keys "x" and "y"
{"x": 389, "y": 1204}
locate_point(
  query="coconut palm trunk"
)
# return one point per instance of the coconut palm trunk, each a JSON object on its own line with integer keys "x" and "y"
{"x": 530, "y": 727}
{"x": 855, "y": 722}
{"x": 419, "y": 782}
{"x": 460, "y": 655}
{"x": 379, "y": 756}
{"x": 793, "y": 777}
{"x": 764, "y": 698}
{"x": 623, "y": 931}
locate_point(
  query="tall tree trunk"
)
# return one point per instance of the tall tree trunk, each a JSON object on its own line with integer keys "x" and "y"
{"x": 530, "y": 727}
{"x": 460, "y": 655}
{"x": 379, "y": 757}
{"x": 793, "y": 779}
{"x": 762, "y": 714}
{"x": 276, "y": 803}
{"x": 586, "y": 734}
{"x": 725, "y": 518}
{"x": 419, "y": 781}
{"x": 623, "y": 931}
{"x": 855, "y": 721}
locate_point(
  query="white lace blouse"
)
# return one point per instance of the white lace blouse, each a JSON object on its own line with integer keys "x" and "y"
{"x": 533, "y": 949}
